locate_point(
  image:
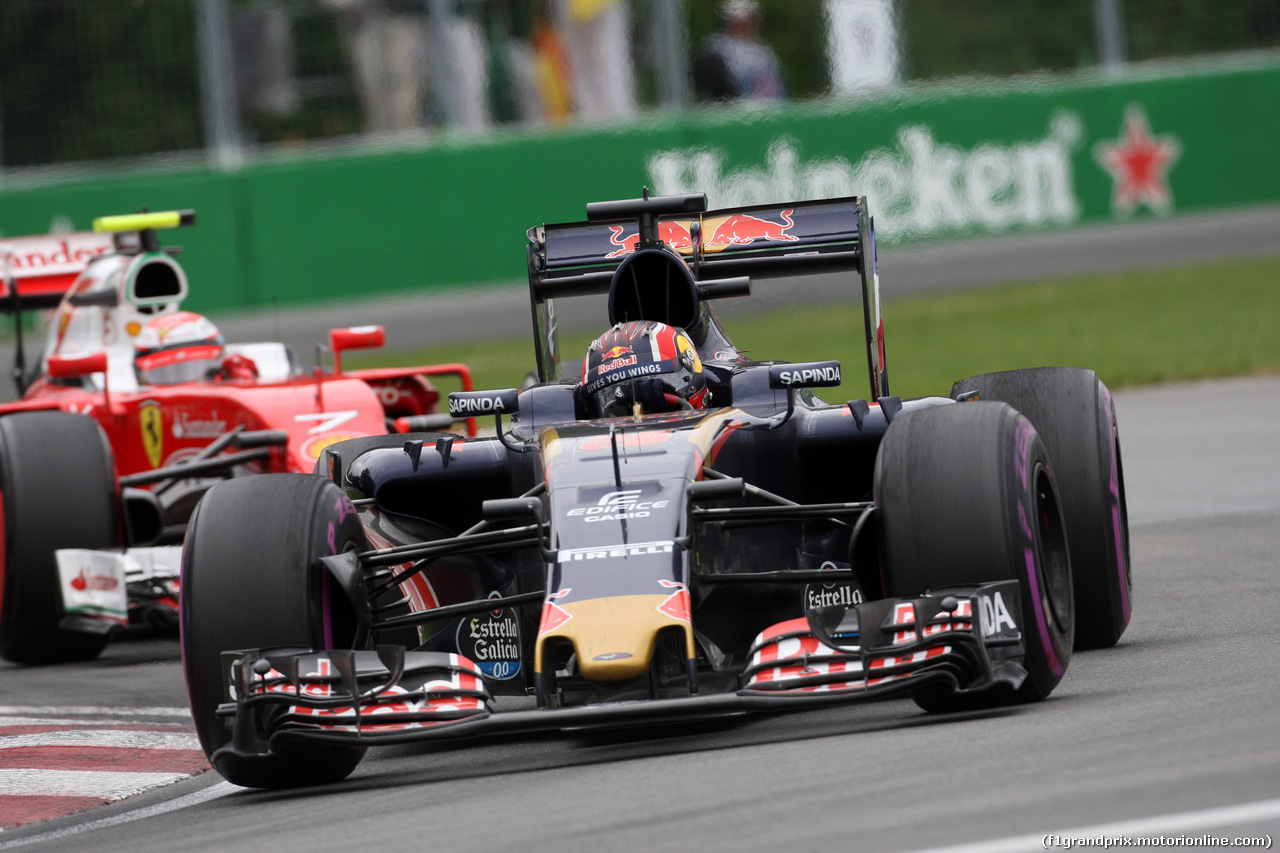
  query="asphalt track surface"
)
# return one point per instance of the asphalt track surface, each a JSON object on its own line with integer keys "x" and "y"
{"x": 1172, "y": 731}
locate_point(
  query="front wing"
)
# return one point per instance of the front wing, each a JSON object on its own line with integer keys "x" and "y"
{"x": 833, "y": 655}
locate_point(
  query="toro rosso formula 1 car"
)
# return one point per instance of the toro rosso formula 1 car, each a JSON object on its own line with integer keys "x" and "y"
{"x": 135, "y": 410}
{"x": 674, "y": 531}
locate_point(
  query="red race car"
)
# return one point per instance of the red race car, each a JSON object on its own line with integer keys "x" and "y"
{"x": 136, "y": 408}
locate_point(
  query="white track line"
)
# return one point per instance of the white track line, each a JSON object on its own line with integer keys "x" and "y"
{"x": 221, "y": 789}
{"x": 104, "y": 784}
{"x": 85, "y": 710}
{"x": 68, "y": 722}
{"x": 105, "y": 737}
{"x": 1162, "y": 825}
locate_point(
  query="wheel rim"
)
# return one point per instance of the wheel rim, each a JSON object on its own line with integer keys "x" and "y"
{"x": 1051, "y": 545}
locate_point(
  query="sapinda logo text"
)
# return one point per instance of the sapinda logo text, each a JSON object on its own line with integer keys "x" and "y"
{"x": 809, "y": 374}
{"x": 474, "y": 405}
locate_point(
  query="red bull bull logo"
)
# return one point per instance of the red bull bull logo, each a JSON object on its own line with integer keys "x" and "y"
{"x": 737, "y": 229}
{"x": 740, "y": 229}
{"x": 617, "y": 352}
{"x": 675, "y": 234}
{"x": 628, "y": 244}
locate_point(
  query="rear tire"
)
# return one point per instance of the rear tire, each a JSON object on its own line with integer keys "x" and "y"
{"x": 57, "y": 490}
{"x": 955, "y": 487}
{"x": 1072, "y": 410}
{"x": 251, "y": 578}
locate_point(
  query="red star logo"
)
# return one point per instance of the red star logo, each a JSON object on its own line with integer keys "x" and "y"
{"x": 1138, "y": 163}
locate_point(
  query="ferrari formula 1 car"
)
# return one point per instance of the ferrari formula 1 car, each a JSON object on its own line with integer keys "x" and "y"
{"x": 135, "y": 410}
{"x": 673, "y": 532}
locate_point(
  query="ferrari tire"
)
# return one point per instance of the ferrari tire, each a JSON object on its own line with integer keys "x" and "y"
{"x": 58, "y": 490}
{"x": 955, "y": 488}
{"x": 1072, "y": 410}
{"x": 251, "y": 578}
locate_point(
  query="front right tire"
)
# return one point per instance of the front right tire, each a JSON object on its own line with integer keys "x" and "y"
{"x": 1074, "y": 414}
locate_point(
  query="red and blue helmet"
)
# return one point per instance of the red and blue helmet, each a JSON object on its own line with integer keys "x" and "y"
{"x": 644, "y": 363}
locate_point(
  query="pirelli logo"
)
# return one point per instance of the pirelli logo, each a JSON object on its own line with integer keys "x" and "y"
{"x": 619, "y": 552}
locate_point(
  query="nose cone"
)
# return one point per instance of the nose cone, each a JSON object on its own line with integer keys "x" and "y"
{"x": 614, "y": 637}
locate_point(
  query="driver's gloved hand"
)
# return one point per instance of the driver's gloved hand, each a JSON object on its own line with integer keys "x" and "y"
{"x": 649, "y": 392}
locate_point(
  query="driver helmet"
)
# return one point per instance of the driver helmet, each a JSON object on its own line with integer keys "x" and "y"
{"x": 177, "y": 347}
{"x": 643, "y": 363}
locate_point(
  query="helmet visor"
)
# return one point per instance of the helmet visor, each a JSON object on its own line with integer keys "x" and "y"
{"x": 181, "y": 364}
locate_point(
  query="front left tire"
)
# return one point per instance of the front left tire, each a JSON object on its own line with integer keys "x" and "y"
{"x": 252, "y": 579}
{"x": 965, "y": 495}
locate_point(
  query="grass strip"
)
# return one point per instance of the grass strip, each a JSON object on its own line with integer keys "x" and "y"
{"x": 1136, "y": 328}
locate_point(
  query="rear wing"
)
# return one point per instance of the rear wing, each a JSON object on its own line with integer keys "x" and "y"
{"x": 760, "y": 241}
{"x": 36, "y": 271}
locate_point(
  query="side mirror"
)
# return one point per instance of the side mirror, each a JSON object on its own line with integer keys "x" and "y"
{"x": 805, "y": 374}
{"x": 354, "y": 337}
{"x": 504, "y": 401}
{"x": 466, "y": 404}
{"x": 71, "y": 366}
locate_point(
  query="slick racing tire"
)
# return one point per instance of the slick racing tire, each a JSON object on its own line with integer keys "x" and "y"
{"x": 955, "y": 487}
{"x": 252, "y": 579}
{"x": 58, "y": 489}
{"x": 1073, "y": 412}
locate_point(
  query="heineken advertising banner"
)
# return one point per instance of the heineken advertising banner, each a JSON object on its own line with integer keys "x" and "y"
{"x": 936, "y": 162}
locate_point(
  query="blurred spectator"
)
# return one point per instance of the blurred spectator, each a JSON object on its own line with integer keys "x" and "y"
{"x": 460, "y": 63}
{"x": 262, "y": 40}
{"x": 389, "y": 44}
{"x": 413, "y": 68}
{"x": 735, "y": 63}
{"x": 551, "y": 73}
{"x": 597, "y": 38}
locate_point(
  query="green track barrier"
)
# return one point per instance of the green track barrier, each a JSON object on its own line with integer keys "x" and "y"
{"x": 937, "y": 162}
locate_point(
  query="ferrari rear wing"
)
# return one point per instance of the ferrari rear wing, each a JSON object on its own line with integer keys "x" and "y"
{"x": 760, "y": 241}
{"x": 36, "y": 271}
